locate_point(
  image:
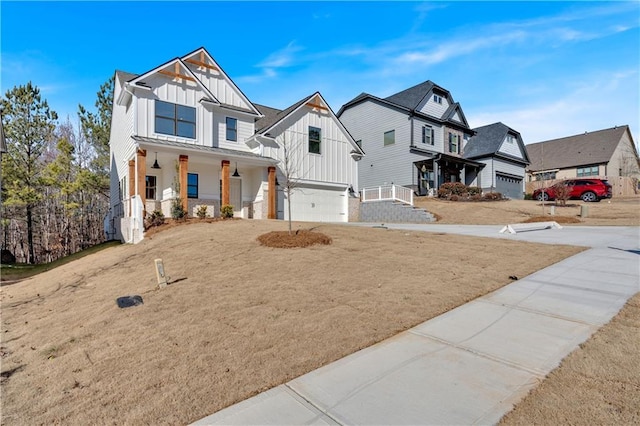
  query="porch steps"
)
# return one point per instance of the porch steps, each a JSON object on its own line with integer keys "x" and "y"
{"x": 393, "y": 212}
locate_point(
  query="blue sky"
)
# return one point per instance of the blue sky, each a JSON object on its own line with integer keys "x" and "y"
{"x": 546, "y": 69}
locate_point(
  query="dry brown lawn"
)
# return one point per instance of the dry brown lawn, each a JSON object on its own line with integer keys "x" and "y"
{"x": 237, "y": 318}
{"x": 616, "y": 212}
{"x": 599, "y": 383}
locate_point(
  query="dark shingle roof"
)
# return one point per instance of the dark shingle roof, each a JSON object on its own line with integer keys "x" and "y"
{"x": 578, "y": 150}
{"x": 411, "y": 97}
{"x": 273, "y": 115}
{"x": 488, "y": 140}
{"x": 125, "y": 76}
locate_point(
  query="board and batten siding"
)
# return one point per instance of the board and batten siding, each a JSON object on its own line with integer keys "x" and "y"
{"x": 185, "y": 93}
{"x": 246, "y": 126}
{"x": 367, "y": 122}
{"x": 511, "y": 148}
{"x": 220, "y": 87}
{"x": 334, "y": 164}
{"x": 435, "y": 109}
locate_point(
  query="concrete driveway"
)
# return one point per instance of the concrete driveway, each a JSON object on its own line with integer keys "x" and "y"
{"x": 472, "y": 364}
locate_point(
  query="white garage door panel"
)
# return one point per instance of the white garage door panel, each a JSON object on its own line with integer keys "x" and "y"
{"x": 310, "y": 204}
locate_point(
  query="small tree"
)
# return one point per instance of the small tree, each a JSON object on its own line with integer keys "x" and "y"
{"x": 290, "y": 164}
{"x": 177, "y": 209}
{"x": 563, "y": 192}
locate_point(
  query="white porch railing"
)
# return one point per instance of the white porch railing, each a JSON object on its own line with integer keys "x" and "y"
{"x": 388, "y": 192}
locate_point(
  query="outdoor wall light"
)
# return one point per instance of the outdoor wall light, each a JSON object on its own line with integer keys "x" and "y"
{"x": 155, "y": 164}
{"x": 236, "y": 174}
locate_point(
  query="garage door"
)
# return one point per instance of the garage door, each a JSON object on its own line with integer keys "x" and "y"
{"x": 318, "y": 204}
{"x": 509, "y": 186}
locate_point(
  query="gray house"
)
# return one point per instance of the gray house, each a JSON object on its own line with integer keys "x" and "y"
{"x": 501, "y": 149}
{"x": 414, "y": 138}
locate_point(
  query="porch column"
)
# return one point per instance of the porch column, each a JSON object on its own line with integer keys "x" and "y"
{"x": 225, "y": 183}
{"x": 271, "y": 209}
{"x": 183, "y": 161}
{"x": 142, "y": 174}
{"x": 436, "y": 175}
{"x": 132, "y": 182}
{"x": 463, "y": 175}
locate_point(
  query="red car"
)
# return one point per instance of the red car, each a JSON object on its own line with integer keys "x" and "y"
{"x": 587, "y": 190}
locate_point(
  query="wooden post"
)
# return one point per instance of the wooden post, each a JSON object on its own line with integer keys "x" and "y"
{"x": 225, "y": 183}
{"x": 183, "y": 168}
{"x": 271, "y": 210}
{"x": 142, "y": 175}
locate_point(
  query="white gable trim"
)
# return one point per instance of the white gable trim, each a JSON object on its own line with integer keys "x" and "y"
{"x": 306, "y": 103}
{"x": 224, "y": 74}
{"x": 134, "y": 83}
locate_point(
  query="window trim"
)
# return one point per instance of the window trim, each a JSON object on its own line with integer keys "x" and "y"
{"x": 457, "y": 142}
{"x": 148, "y": 188}
{"x": 234, "y": 129}
{"x": 175, "y": 119}
{"x": 190, "y": 186}
{"x": 431, "y": 135}
{"x": 587, "y": 171}
{"x": 315, "y": 141}
{"x": 393, "y": 139}
{"x": 437, "y": 99}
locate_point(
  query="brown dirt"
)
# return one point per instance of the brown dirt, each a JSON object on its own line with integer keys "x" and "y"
{"x": 615, "y": 212}
{"x": 237, "y": 318}
{"x": 558, "y": 219}
{"x": 599, "y": 383}
{"x": 297, "y": 239}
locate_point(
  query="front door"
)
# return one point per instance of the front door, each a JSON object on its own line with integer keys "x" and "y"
{"x": 235, "y": 196}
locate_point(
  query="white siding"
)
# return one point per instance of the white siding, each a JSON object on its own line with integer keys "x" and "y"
{"x": 219, "y": 86}
{"x": 121, "y": 146}
{"x": 334, "y": 163}
{"x": 435, "y": 109}
{"x": 368, "y": 121}
{"x": 245, "y": 130}
{"x": 511, "y": 148}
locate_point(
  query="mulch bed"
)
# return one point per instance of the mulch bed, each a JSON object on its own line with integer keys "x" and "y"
{"x": 295, "y": 239}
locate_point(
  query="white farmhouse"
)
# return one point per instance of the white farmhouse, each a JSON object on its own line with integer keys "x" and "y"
{"x": 185, "y": 130}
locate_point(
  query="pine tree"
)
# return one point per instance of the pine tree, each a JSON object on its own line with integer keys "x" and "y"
{"x": 29, "y": 125}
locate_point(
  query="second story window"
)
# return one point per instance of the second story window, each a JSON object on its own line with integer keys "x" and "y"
{"x": 454, "y": 143}
{"x": 176, "y": 120}
{"x": 427, "y": 135}
{"x": 315, "y": 135}
{"x": 437, "y": 99}
{"x": 510, "y": 139}
{"x": 232, "y": 129}
{"x": 389, "y": 137}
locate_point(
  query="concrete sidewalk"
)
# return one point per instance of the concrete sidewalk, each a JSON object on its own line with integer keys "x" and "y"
{"x": 472, "y": 364}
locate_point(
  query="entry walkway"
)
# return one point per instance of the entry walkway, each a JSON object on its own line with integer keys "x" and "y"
{"x": 472, "y": 364}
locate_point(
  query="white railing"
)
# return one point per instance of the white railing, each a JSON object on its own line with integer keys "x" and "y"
{"x": 388, "y": 192}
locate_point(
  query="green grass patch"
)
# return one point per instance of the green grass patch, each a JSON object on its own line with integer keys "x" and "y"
{"x": 21, "y": 271}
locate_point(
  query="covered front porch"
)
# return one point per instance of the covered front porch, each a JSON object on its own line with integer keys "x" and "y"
{"x": 430, "y": 173}
{"x": 162, "y": 172}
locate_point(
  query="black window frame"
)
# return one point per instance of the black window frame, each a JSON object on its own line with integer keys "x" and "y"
{"x": 424, "y": 134}
{"x": 233, "y": 129}
{"x": 190, "y": 186}
{"x": 315, "y": 144}
{"x": 178, "y": 118}
{"x": 148, "y": 189}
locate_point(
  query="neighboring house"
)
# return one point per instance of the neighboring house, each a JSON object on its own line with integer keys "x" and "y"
{"x": 414, "y": 138}
{"x": 501, "y": 149}
{"x": 604, "y": 153}
{"x": 185, "y": 129}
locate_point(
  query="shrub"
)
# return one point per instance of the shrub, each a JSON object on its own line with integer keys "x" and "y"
{"x": 528, "y": 196}
{"x": 474, "y": 190}
{"x": 454, "y": 197}
{"x": 177, "y": 211}
{"x": 476, "y": 197}
{"x": 452, "y": 188}
{"x": 492, "y": 196}
{"x": 202, "y": 211}
{"x": 226, "y": 211}
{"x": 154, "y": 219}
{"x": 563, "y": 192}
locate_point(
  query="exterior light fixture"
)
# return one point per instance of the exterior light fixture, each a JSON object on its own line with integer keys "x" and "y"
{"x": 155, "y": 164}
{"x": 236, "y": 174}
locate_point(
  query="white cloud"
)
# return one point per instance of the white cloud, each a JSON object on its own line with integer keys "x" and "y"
{"x": 586, "y": 107}
{"x": 282, "y": 58}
